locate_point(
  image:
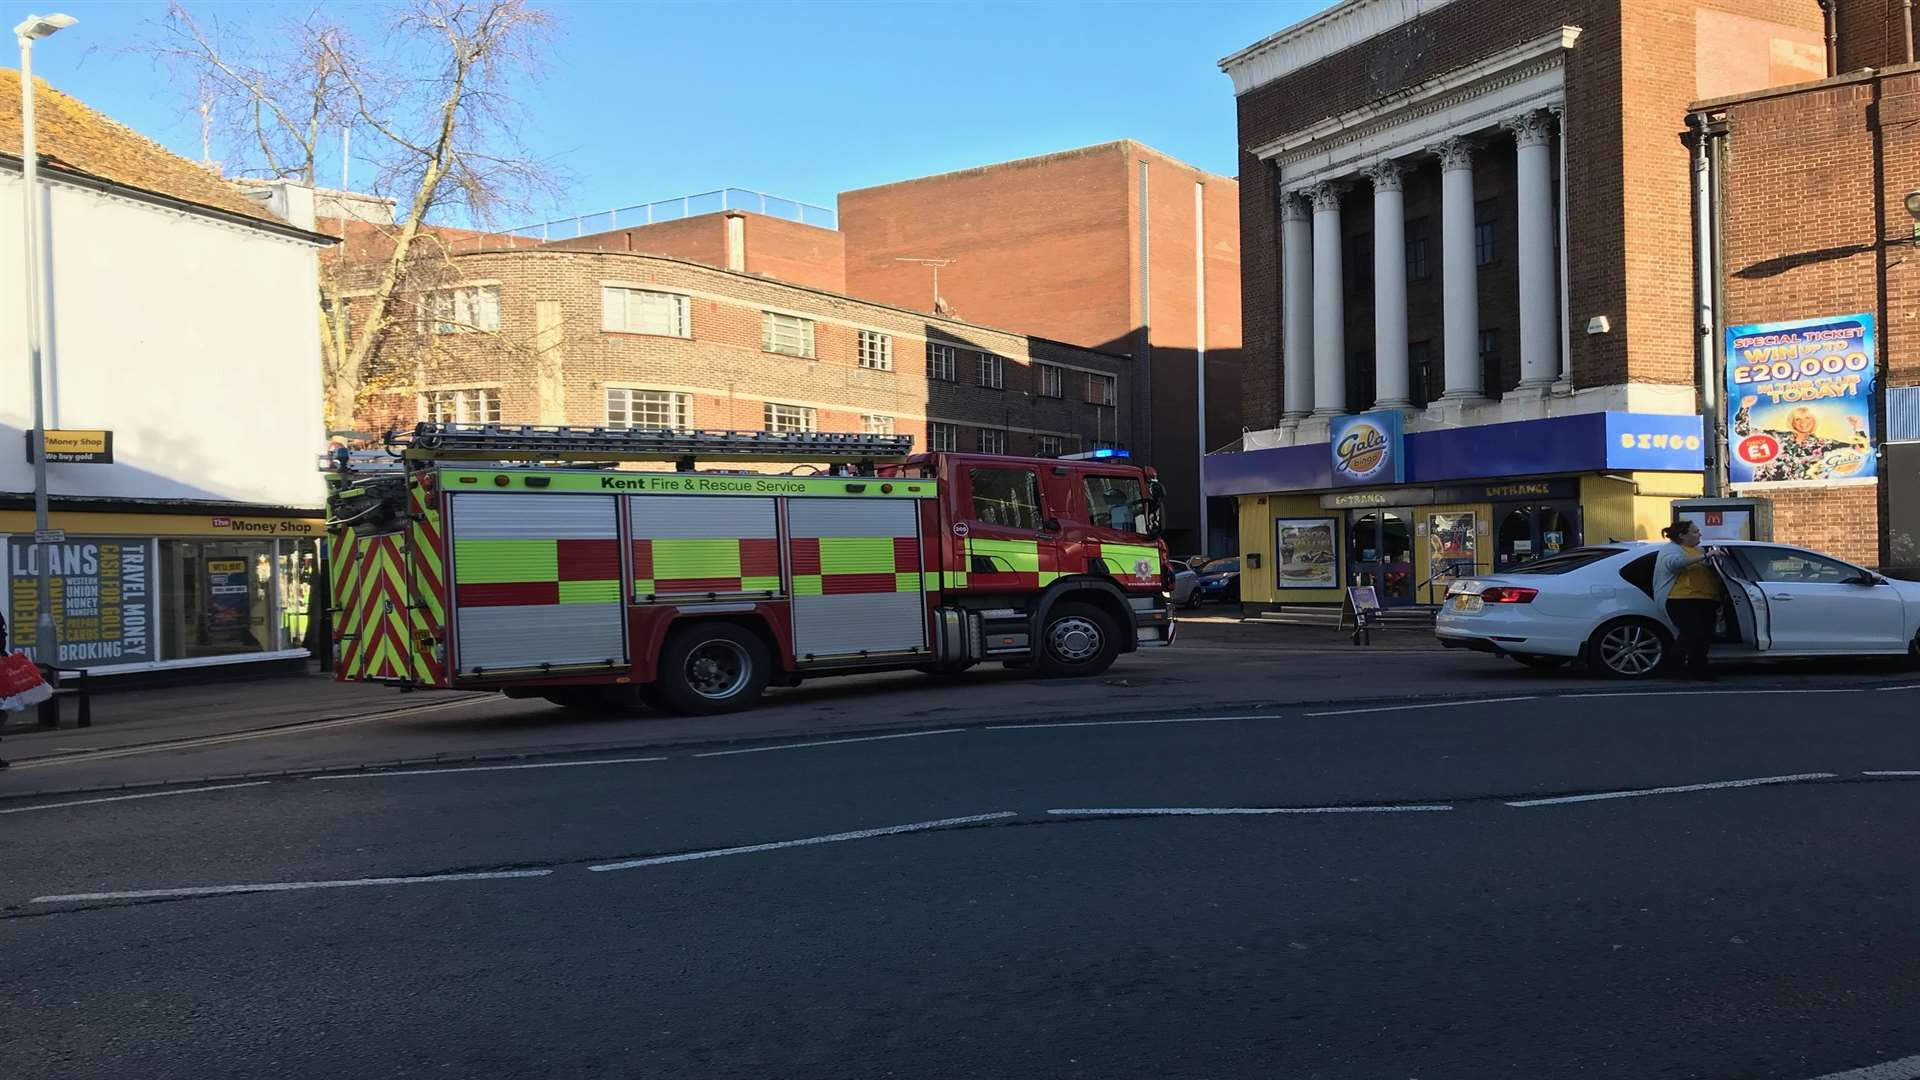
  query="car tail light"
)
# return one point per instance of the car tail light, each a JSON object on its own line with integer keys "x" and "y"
{"x": 1508, "y": 594}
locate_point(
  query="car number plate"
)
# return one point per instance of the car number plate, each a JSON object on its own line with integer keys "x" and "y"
{"x": 1467, "y": 602}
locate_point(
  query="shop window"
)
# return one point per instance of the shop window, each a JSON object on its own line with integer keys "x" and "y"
{"x": 217, "y": 598}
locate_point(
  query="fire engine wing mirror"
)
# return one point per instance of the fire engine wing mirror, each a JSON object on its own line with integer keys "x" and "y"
{"x": 1156, "y": 515}
{"x": 1051, "y": 525}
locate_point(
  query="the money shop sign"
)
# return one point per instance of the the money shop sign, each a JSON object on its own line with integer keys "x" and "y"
{"x": 1800, "y": 401}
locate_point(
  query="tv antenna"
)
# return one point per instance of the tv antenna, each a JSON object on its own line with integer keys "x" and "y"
{"x": 939, "y": 302}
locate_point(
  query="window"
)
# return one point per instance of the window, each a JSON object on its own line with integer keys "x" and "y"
{"x": 1486, "y": 215}
{"x": 990, "y": 441}
{"x": 1797, "y": 567}
{"x": 1428, "y": 377}
{"x": 940, "y": 362}
{"x": 990, "y": 371}
{"x": 1049, "y": 445}
{"x": 1009, "y": 497}
{"x": 1565, "y": 562}
{"x": 460, "y": 311}
{"x": 876, "y": 350}
{"x": 653, "y": 409}
{"x": 641, "y": 311}
{"x": 789, "y": 418}
{"x": 463, "y": 407}
{"x": 1493, "y": 379}
{"x": 1358, "y": 264}
{"x": 1360, "y": 380}
{"x": 1639, "y": 573}
{"x": 1418, "y": 269}
{"x": 1100, "y": 389}
{"x": 790, "y": 335}
{"x": 1051, "y": 380}
{"x": 943, "y": 437}
{"x": 1114, "y": 501}
{"x": 876, "y": 424}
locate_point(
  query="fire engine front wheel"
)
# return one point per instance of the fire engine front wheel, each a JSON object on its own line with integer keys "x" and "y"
{"x": 1079, "y": 639}
{"x": 713, "y": 668}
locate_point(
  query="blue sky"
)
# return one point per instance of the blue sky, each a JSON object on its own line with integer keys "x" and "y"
{"x": 801, "y": 99}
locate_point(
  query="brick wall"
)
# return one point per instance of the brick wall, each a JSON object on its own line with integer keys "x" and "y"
{"x": 1811, "y": 157}
{"x": 773, "y": 247}
{"x": 1869, "y": 34}
{"x": 562, "y": 375}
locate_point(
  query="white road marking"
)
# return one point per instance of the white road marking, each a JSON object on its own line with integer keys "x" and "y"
{"x": 1428, "y": 705}
{"x": 1891, "y": 772}
{"x": 107, "y": 753}
{"x": 1120, "y": 723}
{"x": 1907, "y": 1068}
{"x": 1707, "y": 693}
{"x": 1884, "y": 689}
{"x": 123, "y": 798}
{"x": 828, "y": 742}
{"x": 286, "y": 886}
{"x": 1208, "y": 811}
{"x": 371, "y": 775}
{"x": 1636, "y": 793}
{"x": 834, "y": 838}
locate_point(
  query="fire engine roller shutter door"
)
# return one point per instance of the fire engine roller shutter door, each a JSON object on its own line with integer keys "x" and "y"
{"x": 536, "y": 580}
{"x": 695, "y": 545}
{"x": 856, "y": 576}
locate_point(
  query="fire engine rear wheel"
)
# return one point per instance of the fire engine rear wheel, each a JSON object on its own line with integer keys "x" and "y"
{"x": 712, "y": 667}
{"x": 1079, "y": 639}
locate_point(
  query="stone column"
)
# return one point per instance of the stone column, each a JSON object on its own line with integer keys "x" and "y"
{"x": 1459, "y": 273}
{"x": 1296, "y": 306}
{"x": 1539, "y": 325}
{"x": 1389, "y": 288}
{"x": 1329, "y": 314}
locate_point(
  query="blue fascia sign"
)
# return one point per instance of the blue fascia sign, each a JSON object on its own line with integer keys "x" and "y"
{"x": 1655, "y": 442}
{"x": 1367, "y": 448}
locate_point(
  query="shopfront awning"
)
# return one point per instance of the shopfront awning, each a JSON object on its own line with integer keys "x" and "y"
{"x": 1583, "y": 443}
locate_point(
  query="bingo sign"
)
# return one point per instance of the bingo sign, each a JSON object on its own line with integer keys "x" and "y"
{"x": 1800, "y": 401}
{"x": 102, "y": 593}
{"x": 1366, "y": 448}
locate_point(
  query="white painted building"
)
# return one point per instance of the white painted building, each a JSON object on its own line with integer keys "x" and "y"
{"x": 179, "y": 319}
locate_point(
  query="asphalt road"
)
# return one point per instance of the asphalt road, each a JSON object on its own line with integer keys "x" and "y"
{"x": 1467, "y": 891}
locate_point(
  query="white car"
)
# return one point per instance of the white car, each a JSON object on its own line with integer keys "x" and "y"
{"x": 1185, "y": 581}
{"x": 1596, "y": 603}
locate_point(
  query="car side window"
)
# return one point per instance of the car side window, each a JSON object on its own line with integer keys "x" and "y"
{"x": 1639, "y": 573}
{"x": 1009, "y": 497}
{"x": 1798, "y": 567}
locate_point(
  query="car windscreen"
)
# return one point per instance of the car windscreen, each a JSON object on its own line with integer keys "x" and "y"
{"x": 1565, "y": 561}
{"x": 1222, "y": 566}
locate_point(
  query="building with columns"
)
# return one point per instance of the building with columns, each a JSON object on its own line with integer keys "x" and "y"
{"x": 1468, "y": 283}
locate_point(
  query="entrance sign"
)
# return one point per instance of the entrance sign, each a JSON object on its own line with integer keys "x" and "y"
{"x": 1800, "y": 401}
{"x": 103, "y": 599}
{"x": 1367, "y": 448}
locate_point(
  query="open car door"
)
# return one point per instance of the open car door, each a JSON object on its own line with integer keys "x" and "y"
{"x": 1749, "y": 602}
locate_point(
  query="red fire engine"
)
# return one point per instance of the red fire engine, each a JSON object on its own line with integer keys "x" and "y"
{"x": 523, "y": 559}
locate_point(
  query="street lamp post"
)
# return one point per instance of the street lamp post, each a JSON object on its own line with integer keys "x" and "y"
{"x": 46, "y": 643}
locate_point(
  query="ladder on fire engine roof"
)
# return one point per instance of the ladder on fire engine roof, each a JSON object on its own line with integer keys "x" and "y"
{"x": 509, "y": 442}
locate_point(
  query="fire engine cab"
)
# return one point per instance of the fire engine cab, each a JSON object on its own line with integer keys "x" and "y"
{"x": 527, "y": 560}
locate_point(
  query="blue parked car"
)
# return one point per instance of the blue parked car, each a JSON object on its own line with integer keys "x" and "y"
{"x": 1220, "y": 581}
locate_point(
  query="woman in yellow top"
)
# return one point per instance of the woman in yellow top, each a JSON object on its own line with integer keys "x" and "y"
{"x": 1689, "y": 591}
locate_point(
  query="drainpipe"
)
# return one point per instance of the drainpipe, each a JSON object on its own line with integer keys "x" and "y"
{"x": 1906, "y": 28}
{"x": 1827, "y": 8}
{"x": 1704, "y": 320}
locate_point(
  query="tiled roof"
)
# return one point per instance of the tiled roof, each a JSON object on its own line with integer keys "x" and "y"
{"x": 75, "y": 137}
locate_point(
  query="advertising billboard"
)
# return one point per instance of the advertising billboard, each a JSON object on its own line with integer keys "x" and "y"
{"x": 102, "y": 593}
{"x": 1800, "y": 402}
{"x": 1367, "y": 448}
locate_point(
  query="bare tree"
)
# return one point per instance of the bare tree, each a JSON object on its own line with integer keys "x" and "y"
{"x": 429, "y": 97}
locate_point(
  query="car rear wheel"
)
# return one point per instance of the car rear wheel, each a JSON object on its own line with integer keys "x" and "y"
{"x": 712, "y": 667}
{"x": 1079, "y": 639}
{"x": 1544, "y": 663}
{"x": 1629, "y": 648}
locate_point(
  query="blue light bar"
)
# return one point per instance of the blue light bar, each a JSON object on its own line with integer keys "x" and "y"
{"x": 1111, "y": 453}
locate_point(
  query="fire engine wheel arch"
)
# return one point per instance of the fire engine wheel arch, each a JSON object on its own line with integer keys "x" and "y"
{"x": 712, "y": 666}
{"x": 1091, "y": 591}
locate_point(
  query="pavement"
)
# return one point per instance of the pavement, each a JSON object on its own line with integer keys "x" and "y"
{"x": 1220, "y": 665}
{"x": 1661, "y": 881}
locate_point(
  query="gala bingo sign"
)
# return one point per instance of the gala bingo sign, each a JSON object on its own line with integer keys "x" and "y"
{"x": 1800, "y": 401}
{"x": 1367, "y": 448}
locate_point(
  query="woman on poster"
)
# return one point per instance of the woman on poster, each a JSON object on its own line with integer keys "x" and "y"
{"x": 1803, "y": 453}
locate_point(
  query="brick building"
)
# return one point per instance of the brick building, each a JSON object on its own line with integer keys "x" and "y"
{"x": 1115, "y": 246}
{"x": 751, "y": 243}
{"x": 552, "y": 335}
{"x": 1809, "y": 202}
{"x": 1468, "y": 220}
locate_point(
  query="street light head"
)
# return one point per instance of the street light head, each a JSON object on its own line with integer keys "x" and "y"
{"x": 38, "y": 26}
{"x": 1913, "y": 204}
